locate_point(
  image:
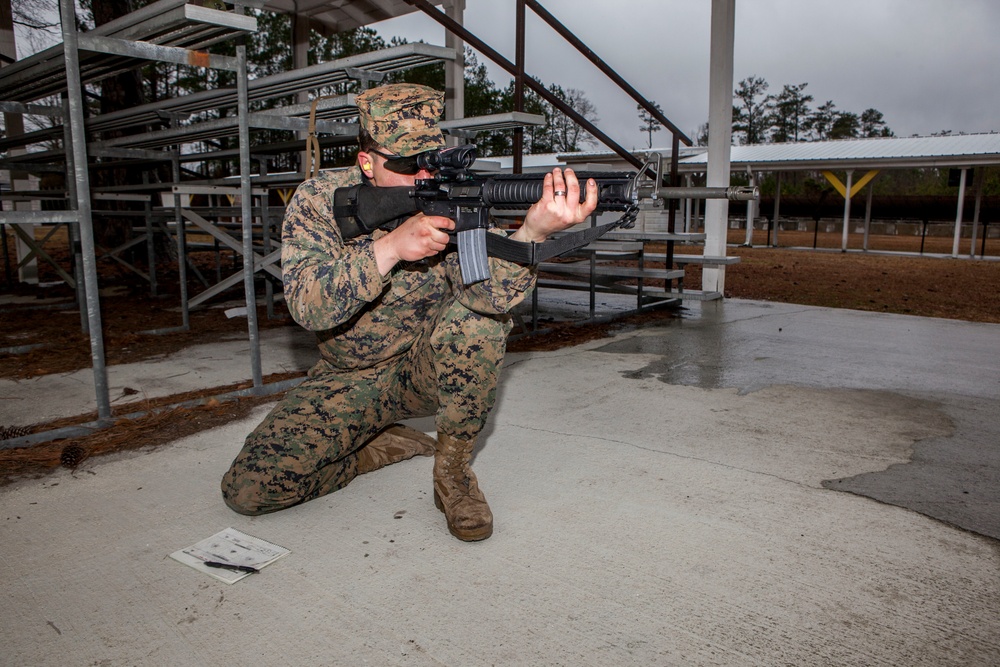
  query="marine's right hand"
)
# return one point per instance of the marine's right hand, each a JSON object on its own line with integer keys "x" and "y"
{"x": 419, "y": 237}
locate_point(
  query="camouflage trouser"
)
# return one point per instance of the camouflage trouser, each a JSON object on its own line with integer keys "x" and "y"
{"x": 306, "y": 447}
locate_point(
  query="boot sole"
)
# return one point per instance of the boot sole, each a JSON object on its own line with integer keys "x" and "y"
{"x": 473, "y": 535}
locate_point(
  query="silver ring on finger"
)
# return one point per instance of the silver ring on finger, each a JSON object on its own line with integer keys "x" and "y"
{"x": 559, "y": 193}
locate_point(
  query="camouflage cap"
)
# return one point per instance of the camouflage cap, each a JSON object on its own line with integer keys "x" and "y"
{"x": 402, "y": 117}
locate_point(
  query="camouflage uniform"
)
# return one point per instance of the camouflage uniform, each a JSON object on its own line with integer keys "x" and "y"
{"x": 414, "y": 343}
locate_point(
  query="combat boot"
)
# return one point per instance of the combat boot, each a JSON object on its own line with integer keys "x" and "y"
{"x": 456, "y": 491}
{"x": 396, "y": 443}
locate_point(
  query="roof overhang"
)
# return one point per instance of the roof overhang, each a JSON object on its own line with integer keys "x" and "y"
{"x": 946, "y": 152}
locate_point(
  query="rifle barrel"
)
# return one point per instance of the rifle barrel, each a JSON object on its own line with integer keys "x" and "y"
{"x": 732, "y": 193}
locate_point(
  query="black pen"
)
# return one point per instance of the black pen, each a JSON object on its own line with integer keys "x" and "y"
{"x": 231, "y": 566}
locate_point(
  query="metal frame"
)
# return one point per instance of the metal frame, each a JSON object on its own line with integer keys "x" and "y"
{"x": 169, "y": 28}
{"x": 175, "y": 31}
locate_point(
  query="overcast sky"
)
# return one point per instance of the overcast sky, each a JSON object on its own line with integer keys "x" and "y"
{"x": 927, "y": 65}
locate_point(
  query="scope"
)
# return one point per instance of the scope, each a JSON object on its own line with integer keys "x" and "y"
{"x": 446, "y": 161}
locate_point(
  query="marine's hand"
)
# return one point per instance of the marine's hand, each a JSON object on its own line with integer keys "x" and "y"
{"x": 559, "y": 208}
{"x": 419, "y": 237}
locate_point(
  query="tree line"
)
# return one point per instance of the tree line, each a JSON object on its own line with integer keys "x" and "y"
{"x": 759, "y": 117}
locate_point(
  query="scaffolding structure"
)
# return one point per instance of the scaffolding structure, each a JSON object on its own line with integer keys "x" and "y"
{"x": 176, "y": 132}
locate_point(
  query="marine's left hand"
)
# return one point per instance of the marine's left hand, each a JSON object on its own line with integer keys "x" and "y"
{"x": 559, "y": 208}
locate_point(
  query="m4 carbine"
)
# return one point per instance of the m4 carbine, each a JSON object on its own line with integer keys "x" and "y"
{"x": 457, "y": 193}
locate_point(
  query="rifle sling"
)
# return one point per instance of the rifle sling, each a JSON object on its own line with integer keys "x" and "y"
{"x": 520, "y": 252}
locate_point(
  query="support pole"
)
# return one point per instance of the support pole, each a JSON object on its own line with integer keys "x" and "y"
{"x": 720, "y": 134}
{"x": 687, "y": 205}
{"x": 74, "y": 91}
{"x": 175, "y": 163}
{"x": 74, "y": 228}
{"x": 246, "y": 203}
{"x": 751, "y": 212}
{"x": 300, "y": 60}
{"x": 847, "y": 210}
{"x": 777, "y": 209}
{"x": 978, "y": 180}
{"x": 518, "y": 143}
{"x": 959, "y": 214}
{"x": 868, "y": 216}
{"x": 454, "y": 72}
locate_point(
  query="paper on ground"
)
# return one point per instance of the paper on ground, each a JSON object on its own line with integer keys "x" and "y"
{"x": 230, "y": 546}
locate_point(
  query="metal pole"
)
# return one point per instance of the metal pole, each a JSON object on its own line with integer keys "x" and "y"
{"x": 847, "y": 210}
{"x": 777, "y": 209}
{"x": 181, "y": 243}
{"x": 958, "y": 215}
{"x": 675, "y": 151}
{"x": 246, "y": 202}
{"x": 8, "y": 278}
{"x": 980, "y": 174}
{"x": 147, "y": 208}
{"x": 695, "y": 224}
{"x": 454, "y": 72}
{"x": 518, "y": 143}
{"x": 265, "y": 216}
{"x": 74, "y": 90}
{"x": 748, "y": 242}
{"x": 720, "y": 122}
{"x": 74, "y": 228}
{"x": 868, "y": 216}
{"x": 687, "y": 205}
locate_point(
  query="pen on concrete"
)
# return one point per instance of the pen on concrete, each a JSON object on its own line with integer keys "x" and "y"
{"x": 231, "y": 566}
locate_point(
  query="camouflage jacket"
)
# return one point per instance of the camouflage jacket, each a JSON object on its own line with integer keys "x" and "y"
{"x": 333, "y": 287}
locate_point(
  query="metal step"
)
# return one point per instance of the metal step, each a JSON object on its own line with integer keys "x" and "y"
{"x": 695, "y": 295}
{"x": 638, "y": 235}
{"x": 728, "y": 260}
{"x": 613, "y": 272}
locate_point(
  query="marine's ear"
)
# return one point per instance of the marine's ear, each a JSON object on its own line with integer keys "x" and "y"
{"x": 365, "y": 164}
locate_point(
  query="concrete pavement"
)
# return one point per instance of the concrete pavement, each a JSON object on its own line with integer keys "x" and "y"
{"x": 663, "y": 497}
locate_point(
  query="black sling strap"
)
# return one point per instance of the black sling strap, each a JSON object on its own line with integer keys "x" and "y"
{"x": 520, "y": 252}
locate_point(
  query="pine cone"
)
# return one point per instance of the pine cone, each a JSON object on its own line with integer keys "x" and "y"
{"x": 72, "y": 455}
{"x": 10, "y": 432}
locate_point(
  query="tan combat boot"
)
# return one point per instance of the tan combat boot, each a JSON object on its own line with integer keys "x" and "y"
{"x": 456, "y": 491}
{"x": 396, "y": 443}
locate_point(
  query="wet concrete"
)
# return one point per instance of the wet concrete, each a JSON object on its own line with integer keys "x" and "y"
{"x": 953, "y": 366}
{"x": 658, "y": 499}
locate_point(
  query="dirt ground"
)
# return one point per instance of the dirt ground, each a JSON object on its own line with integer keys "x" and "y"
{"x": 46, "y": 317}
{"x": 961, "y": 289}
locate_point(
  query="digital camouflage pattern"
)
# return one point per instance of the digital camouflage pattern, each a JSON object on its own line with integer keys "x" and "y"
{"x": 402, "y": 117}
{"x": 415, "y": 343}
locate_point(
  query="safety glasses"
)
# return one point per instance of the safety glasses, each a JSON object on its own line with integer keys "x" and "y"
{"x": 409, "y": 165}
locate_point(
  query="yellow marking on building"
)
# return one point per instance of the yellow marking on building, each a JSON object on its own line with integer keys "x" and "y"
{"x": 855, "y": 187}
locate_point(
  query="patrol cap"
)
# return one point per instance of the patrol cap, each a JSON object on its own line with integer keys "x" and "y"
{"x": 402, "y": 117}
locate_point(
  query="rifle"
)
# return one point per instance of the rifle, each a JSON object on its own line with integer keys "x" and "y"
{"x": 457, "y": 193}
